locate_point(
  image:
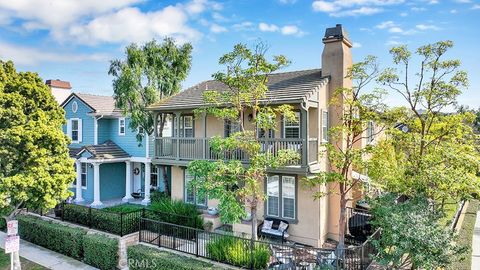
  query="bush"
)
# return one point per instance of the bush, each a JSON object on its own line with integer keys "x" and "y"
{"x": 157, "y": 196}
{"x": 54, "y": 236}
{"x": 184, "y": 214}
{"x": 142, "y": 257}
{"x": 235, "y": 251}
{"x": 100, "y": 251}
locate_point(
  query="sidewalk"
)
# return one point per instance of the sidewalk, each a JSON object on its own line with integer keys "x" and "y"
{"x": 45, "y": 257}
{"x": 476, "y": 244}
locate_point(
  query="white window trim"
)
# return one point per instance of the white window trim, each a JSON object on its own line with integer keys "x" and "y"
{"x": 294, "y": 197}
{"x": 154, "y": 173}
{"x": 325, "y": 124}
{"x": 120, "y": 126}
{"x": 74, "y": 106}
{"x": 278, "y": 197}
{"x": 185, "y": 127}
{"x": 195, "y": 197}
{"x": 86, "y": 175}
{"x": 296, "y": 125}
{"x": 75, "y": 168}
{"x": 78, "y": 129}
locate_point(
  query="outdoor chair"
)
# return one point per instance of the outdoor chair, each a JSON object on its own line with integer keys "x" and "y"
{"x": 274, "y": 231}
{"x": 283, "y": 258}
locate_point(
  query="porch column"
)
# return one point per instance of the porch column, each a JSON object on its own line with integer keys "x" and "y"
{"x": 96, "y": 185}
{"x": 204, "y": 141}
{"x": 177, "y": 120}
{"x": 78, "y": 188}
{"x": 304, "y": 122}
{"x": 128, "y": 181}
{"x": 146, "y": 199}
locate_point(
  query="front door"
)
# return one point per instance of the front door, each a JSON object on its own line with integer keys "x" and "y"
{"x": 137, "y": 176}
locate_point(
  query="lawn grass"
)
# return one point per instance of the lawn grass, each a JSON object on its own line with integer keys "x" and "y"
{"x": 26, "y": 264}
{"x": 465, "y": 236}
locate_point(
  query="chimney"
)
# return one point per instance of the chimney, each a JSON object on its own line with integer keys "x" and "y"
{"x": 60, "y": 89}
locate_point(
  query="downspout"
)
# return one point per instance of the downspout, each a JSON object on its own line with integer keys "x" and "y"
{"x": 95, "y": 128}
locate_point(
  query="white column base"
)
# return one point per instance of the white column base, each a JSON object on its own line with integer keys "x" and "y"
{"x": 146, "y": 201}
{"x": 78, "y": 200}
{"x": 96, "y": 204}
{"x": 127, "y": 198}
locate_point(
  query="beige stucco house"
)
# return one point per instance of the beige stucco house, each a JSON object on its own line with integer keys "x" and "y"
{"x": 308, "y": 91}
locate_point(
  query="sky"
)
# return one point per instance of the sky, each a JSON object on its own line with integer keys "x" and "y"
{"x": 76, "y": 40}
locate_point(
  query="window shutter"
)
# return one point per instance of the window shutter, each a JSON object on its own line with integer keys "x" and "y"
{"x": 69, "y": 128}
{"x": 79, "y": 130}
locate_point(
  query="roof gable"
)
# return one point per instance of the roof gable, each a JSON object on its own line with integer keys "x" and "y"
{"x": 98, "y": 104}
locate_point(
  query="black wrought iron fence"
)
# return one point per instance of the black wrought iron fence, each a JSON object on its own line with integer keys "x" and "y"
{"x": 246, "y": 253}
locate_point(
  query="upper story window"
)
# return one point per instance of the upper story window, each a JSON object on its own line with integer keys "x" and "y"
{"x": 325, "y": 126}
{"x": 191, "y": 194}
{"x": 74, "y": 129}
{"x": 291, "y": 129}
{"x": 74, "y": 106}
{"x": 186, "y": 126}
{"x": 230, "y": 127}
{"x": 281, "y": 196}
{"x": 121, "y": 126}
{"x": 370, "y": 132}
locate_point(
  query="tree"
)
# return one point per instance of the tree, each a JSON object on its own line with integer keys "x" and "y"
{"x": 434, "y": 153}
{"x": 238, "y": 187}
{"x": 149, "y": 73}
{"x": 35, "y": 168}
{"x": 412, "y": 235}
{"x": 360, "y": 109}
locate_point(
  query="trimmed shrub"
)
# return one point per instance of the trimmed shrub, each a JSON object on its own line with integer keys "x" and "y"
{"x": 236, "y": 251}
{"x": 100, "y": 251}
{"x": 156, "y": 196}
{"x": 184, "y": 214}
{"x": 54, "y": 236}
{"x": 142, "y": 257}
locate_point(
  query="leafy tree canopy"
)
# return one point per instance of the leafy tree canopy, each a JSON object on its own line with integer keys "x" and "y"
{"x": 35, "y": 168}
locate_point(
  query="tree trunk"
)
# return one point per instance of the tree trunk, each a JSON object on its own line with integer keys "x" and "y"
{"x": 341, "y": 224}
{"x": 253, "y": 213}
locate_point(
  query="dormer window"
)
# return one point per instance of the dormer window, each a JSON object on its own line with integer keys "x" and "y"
{"x": 121, "y": 126}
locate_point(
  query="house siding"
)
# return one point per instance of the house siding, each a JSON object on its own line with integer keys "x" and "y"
{"x": 87, "y": 121}
{"x": 127, "y": 142}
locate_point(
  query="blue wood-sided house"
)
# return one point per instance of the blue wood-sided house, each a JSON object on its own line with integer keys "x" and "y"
{"x": 110, "y": 163}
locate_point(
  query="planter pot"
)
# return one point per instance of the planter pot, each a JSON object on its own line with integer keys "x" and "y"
{"x": 212, "y": 211}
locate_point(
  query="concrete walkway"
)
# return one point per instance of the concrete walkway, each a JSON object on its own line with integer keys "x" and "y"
{"x": 476, "y": 244}
{"x": 45, "y": 257}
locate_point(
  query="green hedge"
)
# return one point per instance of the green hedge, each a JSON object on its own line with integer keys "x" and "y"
{"x": 54, "y": 236}
{"x": 183, "y": 213}
{"x": 236, "y": 251}
{"x": 100, "y": 251}
{"x": 142, "y": 257}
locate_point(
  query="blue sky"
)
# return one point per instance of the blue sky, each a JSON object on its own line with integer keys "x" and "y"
{"x": 75, "y": 40}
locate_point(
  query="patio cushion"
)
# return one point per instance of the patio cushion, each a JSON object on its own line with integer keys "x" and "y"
{"x": 275, "y": 232}
{"x": 283, "y": 226}
{"x": 267, "y": 225}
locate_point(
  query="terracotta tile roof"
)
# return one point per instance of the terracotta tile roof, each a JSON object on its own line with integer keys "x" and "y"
{"x": 283, "y": 87}
{"x": 58, "y": 84}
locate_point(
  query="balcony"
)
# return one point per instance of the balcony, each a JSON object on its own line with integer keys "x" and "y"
{"x": 188, "y": 149}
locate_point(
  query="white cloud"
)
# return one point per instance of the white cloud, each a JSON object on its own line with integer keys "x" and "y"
{"x": 291, "y": 30}
{"x": 404, "y": 14}
{"x": 395, "y": 29}
{"x": 463, "y": 1}
{"x": 284, "y": 2}
{"x": 385, "y": 25}
{"x": 132, "y": 25}
{"x": 424, "y": 27}
{"x": 342, "y": 8}
{"x": 244, "y": 26}
{"x": 433, "y": 2}
{"x": 32, "y": 56}
{"x": 393, "y": 43}
{"x": 110, "y": 21}
{"x": 453, "y": 11}
{"x": 215, "y": 28}
{"x": 476, "y": 6}
{"x": 418, "y": 9}
{"x": 265, "y": 27}
{"x": 356, "y": 45}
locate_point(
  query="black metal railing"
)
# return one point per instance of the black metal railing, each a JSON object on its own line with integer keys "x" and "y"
{"x": 246, "y": 253}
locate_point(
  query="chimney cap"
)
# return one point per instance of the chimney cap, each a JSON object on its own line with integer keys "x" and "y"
{"x": 58, "y": 84}
{"x": 336, "y": 33}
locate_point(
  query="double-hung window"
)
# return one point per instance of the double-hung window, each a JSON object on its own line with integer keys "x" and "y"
{"x": 230, "y": 127}
{"x": 154, "y": 176}
{"x": 186, "y": 126}
{"x": 191, "y": 195}
{"x": 281, "y": 196}
{"x": 121, "y": 126}
{"x": 325, "y": 126}
{"x": 291, "y": 129}
{"x": 370, "y": 132}
{"x": 84, "y": 174}
{"x": 74, "y": 129}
